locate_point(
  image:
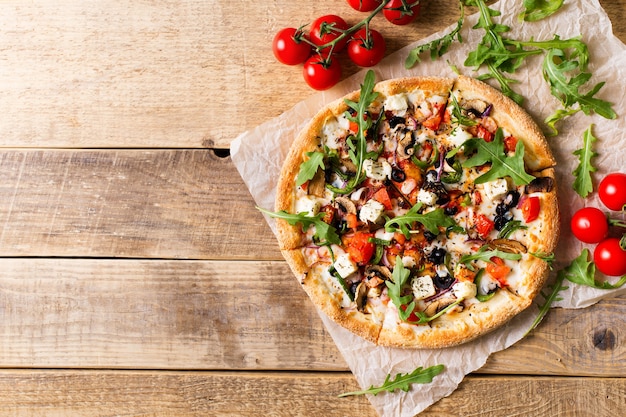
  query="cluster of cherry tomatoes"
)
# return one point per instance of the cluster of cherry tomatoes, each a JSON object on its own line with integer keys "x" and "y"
{"x": 319, "y": 48}
{"x": 591, "y": 225}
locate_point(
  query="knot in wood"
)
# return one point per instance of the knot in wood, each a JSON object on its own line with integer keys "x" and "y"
{"x": 604, "y": 339}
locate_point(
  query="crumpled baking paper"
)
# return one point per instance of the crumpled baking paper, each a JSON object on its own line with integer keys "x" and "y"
{"x": 258, "y": 155}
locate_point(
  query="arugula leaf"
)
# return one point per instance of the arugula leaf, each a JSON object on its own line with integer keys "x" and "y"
{"x": 546, "y": 257}
{"x": 358, "y": 145}
{"x": 549, "y": 299}
{"x": 309, "y": 168}
{"x": 582, "y": 271}
{"x": 501, "y": 164}
{"x": 323, "y": 231}
{"x": 399, "y": 278}
{"x": 556, "y": 117}
{"x": 556, "y": 65}
{"x": 439, "y": 46}
{"x": 583, "y": 184}
{"x": 485, "y": 254}
{"x": 431, "y": 221}
{"x": 458, "y": 118}
{"x": 535, "y": 10}
{"x": 401, "y": 381}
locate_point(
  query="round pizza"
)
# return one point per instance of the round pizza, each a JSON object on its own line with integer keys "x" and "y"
{"x": 419, "y": 212}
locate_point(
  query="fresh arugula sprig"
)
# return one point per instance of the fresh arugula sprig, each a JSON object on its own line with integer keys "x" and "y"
{"x": 485, "y": 253}
{"x": 324, "y": 232}
{"x": 583, "y": 183}
{"x": 439, "y": 46}
{"x": 580, "y": 271}
{"x": 583, "y": 271}
{"x": 309, "y": 168}
{"x": 502, "y": 165}
{"x": 535, "y": 10}
{"x": 509, "y": 228}
{"x": 458, "y": 118}
{"x": 431, "y": 220}
{"x": 406, "y": 303}
{"x": 358, "y": 145}
{"x": 401, "y": 381}
{"x": 549, "y": 299}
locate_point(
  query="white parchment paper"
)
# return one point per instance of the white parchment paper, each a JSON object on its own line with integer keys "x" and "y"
{"x": 258, "y": 155}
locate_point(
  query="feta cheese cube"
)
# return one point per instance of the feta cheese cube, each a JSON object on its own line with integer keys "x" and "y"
{"x": 458, "y": 136}
{"x": 377, "y": 170}
{"x": 496, "y": 189}
{"x": 397, "y": 103}
{"x": 464, "y": 290}
{"x": 332, "y": 133}
{"x": 371, "y": 211}
{"x": 426, "y": 197}
{"x": 423, "y": 287}
{"x": 344, "y": 265}
{"x": 308, "y": 205}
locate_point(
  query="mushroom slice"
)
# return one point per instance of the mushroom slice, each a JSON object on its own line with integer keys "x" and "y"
{"x": 360, "y": 296}
{"x": 439, "y": 304}
{"x": 317, "y": 185}
{"x": 406, "y": 146}
{"x": 508, "y": 245}
{"x": 474, "y": 106}
{"x": 540, "y": 185}
{"x": 376, "y": 275}
{"x": 345, "y": 205}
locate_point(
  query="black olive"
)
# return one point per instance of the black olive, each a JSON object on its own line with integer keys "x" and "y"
{"x": 431, "y": 177}
{"x": 395, "y": 121}
{"x": 353, "y": 288}
{"x": 437, "y": 256}
{"x": 451, "y": 210}
{"x": 501, "y": 220}
{"x": 501, "y": 209}
{"x": 511, "y": 199}
{"x": 429, "y": 236}
{"x": 443, "y": 282}
{"x": 397, "y": 175}
{"x": 443, "y": 199}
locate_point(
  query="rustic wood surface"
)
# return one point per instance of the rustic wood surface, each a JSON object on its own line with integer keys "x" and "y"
{"x": 137, "y": 276}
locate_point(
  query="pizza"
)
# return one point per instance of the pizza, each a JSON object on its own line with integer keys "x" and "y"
{"x": 419, "y": 212}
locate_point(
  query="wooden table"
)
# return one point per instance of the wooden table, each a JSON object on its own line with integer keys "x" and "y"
{"x": 137, "y": 278}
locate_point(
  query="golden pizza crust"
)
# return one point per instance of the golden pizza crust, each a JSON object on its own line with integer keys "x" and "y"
{"x": 454, "y": 327}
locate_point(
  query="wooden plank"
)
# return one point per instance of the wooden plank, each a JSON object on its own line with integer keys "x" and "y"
{"x": 157, "y": 74}
{"x": 77, "y": 313}
{"x": 128, "y": 203}
{"x": 185, "y": 394}
{"x": 163, "y": 74}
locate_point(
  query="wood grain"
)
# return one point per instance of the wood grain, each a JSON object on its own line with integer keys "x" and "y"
{"x": 163, "y": 74}
{"x": 187, "y": 204}
{"x": 186, "y": 394}
{"x": 151, "y": 314}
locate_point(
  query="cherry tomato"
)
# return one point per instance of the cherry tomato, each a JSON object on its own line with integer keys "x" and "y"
{"x": 589, "y": 225}
{"x": 530, "y": 209}
{"x": 328, "y": 28}
{"x": 358, "y": 246}
{"x": 366, "y": 51}
{"x": 612, "y": 191}
{"x": 484, "y": 225}
{"x": 289, "y": 47}
{"x": 382, "y": 196}
{"x": 364, "y": 5}
{"x": 610, "y": 258}
{"x": 320, "y": 73}
{"x": 398, "y": 14}
{"x": 498, "y": 269}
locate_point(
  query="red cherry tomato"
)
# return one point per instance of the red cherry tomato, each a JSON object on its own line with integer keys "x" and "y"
{"x": 612, "y": 191}
{"x": 322, "y": 73}
{"x": 366, "y": 51}
{"x": 364, "y": 5}
{"x": 289, "y": 46}
{"x": 498, "y": 269}
{"x": 610, "y": 258}
{"x": 530, "y": 209}
{"x": 484, "y": 225}
{"x": 328, "y": 28}
{"x": 589, "y": 225}
{"x": 359, "y": 247}
{"x": 396, "y": 13}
